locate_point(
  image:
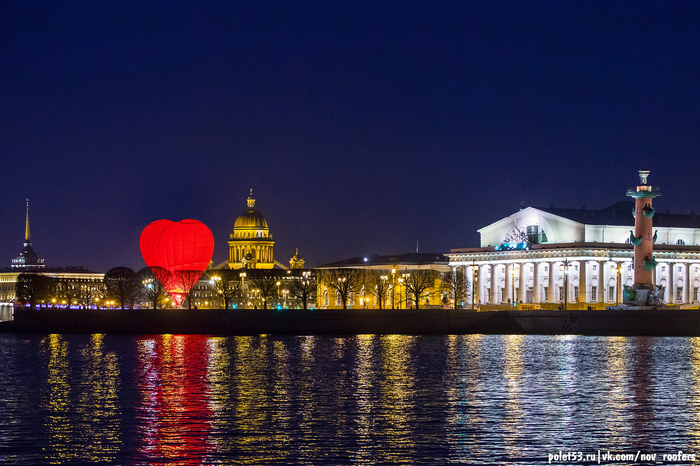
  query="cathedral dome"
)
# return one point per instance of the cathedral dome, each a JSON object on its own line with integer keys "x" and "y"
{"x": 252, "y": 219}
{"x": 251, "y": 223}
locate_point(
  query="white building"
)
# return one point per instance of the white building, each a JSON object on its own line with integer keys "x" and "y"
{"x": 547, "y": 255}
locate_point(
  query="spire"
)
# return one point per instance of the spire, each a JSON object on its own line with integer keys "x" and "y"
{"x": 251, "y": 201}
{"x": 27, "y": 235}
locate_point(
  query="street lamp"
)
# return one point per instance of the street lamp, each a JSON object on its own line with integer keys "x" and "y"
{"x": 514, "y": 273}
{"x": 384, "y": 278}
{"x": 243, "y": 293}
{"x": 565, "y": 267}
{"x": 405, "y": 287}
{"x": 617, "y": 270}
{"x": 473, "y": 268}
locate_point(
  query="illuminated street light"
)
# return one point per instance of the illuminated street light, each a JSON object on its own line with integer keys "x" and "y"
{"x": 565, "y": 268}
{"x": 514, "y": 272}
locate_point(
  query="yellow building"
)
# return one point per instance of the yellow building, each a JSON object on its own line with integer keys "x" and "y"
{"x": 384, "y": 282}
{"x": 251, "y": 243}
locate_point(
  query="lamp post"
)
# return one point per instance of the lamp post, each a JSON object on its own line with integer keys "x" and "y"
{"x": 565, "y": 268}
{"x": 384, "y": 278}
{"x": 243, "y": 293}
{"x": 215, "y": 281}
{"x": 393, "y": 287}
{"x": 474, "y": 268}
{"x": 617, "y": 270}
{"x": 514, "y": 273}
{"x": 405, "y": 286}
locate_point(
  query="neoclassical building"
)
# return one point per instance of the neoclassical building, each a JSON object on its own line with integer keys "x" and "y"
{"x": 551, "y": 255}
{"x": 251, "y": 244}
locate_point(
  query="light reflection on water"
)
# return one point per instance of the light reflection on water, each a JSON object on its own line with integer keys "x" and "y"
{"x": 392, "y": 399}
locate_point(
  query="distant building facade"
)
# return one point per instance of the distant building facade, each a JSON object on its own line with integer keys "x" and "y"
{"x": 393, "y": 271}
{"x": 551, "y": 255}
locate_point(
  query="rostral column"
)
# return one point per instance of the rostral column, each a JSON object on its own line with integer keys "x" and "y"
{"x": 643, "y": 292}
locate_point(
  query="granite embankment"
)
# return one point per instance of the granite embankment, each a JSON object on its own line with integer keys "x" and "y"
{"x": 658, "y": 322}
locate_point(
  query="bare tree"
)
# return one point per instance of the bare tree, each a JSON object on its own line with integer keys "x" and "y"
{"x": 266, "y": 284}
{"x": 122, "y": 285}
{"x": 91, "y": 292}
{"x": 32, "y": 288}
{"x": 184, "y": 282}
{"x": 68, "y": 290}
{"x": 151, "y": 288}
{"x": 226, "y": 283}
{"x": 419, "y": 282}
{"x": 304, "y": 289}
{"x": 455, "y": 286}
{"x": 343, "y": 281}
{"x": 379, "y": 284}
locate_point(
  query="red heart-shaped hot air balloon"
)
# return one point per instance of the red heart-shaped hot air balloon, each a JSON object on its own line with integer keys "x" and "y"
{"x": 177, "y": 253}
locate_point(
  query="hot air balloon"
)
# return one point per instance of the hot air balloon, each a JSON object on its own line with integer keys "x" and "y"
{"x": 177, "y": 253}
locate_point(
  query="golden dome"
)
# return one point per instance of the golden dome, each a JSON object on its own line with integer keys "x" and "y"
{"x": 251, "y": 219}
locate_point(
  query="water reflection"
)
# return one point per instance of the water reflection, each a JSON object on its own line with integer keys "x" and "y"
{"x": 82, "y": 417}
{"x": 513, "y": 374}
{"x": 374, "y": 399}
{"x": 56, "y": 402}
{"x": 172, "y": 381}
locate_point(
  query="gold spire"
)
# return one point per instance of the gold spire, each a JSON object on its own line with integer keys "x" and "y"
{"x": 251, "y": 201}
{"x": 27, "y": 235}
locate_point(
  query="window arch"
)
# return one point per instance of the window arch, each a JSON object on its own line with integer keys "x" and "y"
{"x": 535, "y": 235}
{"x": 680, "y": 242}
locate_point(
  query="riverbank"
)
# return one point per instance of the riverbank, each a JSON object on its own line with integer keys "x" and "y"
{"x": 654, "y": 322}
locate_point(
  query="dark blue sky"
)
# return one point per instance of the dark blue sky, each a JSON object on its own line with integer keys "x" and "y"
{"x": 361, "y": 126}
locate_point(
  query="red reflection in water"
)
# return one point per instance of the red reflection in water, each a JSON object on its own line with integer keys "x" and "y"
{"x": 174, "y": 419}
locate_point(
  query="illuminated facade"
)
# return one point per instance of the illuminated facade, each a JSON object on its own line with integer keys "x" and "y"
{"x": 549, "y": 256}
{"x": 394, "y": 271}
{"x": 251, "y": 244}
{"x": 29, "y": 262}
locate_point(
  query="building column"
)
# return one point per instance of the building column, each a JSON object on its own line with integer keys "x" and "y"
{"x": 509, "y": 283}
{"x": 491, "y": 297}
{"x": 601, "y": 282}
{"x": 550, "y": 290}
{"x": 582, "y": 279}
{"x": 671, "y": 284}
{"x": 523, "y": 282}
{"x": 686, "y": 284}
{"x": 536, "y": 295}
{"x": 476, "y": 283}
{"x": 618, "y": 281}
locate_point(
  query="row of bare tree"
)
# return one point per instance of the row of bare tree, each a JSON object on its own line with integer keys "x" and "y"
{"x": 417, "y": 284}
{"x": 124, "y": 287}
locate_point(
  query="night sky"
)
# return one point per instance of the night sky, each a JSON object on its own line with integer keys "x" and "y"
{"x": 361, "y": 126}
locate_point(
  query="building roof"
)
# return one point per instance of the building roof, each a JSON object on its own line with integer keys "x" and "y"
{"x": 620, "y": 214}
{"x": 399, "y": 259}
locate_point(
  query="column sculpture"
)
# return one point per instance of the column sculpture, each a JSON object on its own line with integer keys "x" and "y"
{"x": 643, "y": 291}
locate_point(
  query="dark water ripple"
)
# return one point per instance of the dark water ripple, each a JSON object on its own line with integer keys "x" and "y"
{"x": 163, "y": 399}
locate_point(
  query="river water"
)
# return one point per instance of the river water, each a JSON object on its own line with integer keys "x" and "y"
{"x": 392, "y": 399}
